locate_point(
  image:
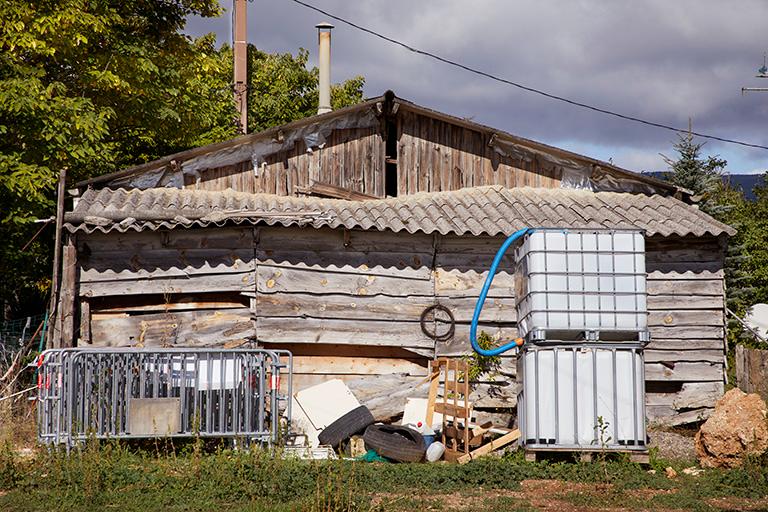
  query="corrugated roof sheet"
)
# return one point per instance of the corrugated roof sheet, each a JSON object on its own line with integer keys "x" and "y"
{"x": 490, "y": 210}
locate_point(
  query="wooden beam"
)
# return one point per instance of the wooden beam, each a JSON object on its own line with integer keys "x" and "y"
{"x": 490, "y": 447}
{"x": 684, "y": 371}
{"x": 321, "y": 189}
{"x": 55, "y": 332}
{"x": 194, "y": 284}
{"x": 85, "y": 322}
{"x": 200, "y": 328}
{"x": 67, "y": 294}
{"x": 434, "y": 383}
{"x": 453, "y": 410}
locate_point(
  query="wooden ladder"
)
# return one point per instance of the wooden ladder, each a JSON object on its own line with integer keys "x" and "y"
{"x": 452, "y": 401}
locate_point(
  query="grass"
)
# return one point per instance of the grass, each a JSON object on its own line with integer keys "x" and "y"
{"x": 189, "y": 478}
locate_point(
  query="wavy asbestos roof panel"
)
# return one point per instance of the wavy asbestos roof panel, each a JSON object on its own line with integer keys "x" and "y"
{"x": 490, "y": 210}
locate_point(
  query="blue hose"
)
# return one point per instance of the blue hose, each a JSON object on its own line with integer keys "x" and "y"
{"x": 481, "y": 299}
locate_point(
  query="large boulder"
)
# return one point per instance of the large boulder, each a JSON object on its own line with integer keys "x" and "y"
{"x": 736, "y": 428}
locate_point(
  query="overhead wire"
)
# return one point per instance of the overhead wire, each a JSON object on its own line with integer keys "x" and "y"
{"x": 522, "y": 86}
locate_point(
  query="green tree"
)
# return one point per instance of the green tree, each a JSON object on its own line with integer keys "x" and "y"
{"x": 90, "y": 86}
{"x": 282, "y": 89}
{"x": 701, "y": 175}
{"x": 96, "y": 85}
{"x": 747, "y": 258}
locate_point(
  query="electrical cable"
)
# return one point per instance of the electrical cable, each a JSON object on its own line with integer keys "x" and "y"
{"x": 525, "y": 87}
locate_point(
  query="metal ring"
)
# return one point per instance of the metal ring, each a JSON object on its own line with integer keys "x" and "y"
{"x": 433, "y": 335}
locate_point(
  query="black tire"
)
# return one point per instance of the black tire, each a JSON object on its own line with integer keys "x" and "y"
{"x": 401, "y": 444}
{"x": 354, "y": 422}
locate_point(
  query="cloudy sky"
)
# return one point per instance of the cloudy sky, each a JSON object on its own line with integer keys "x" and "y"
{"x": 661, "y": 60}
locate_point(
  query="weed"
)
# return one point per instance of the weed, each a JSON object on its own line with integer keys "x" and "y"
{"x": 197, "y": 476}
{"x": 603, "y": 438}
{"x": 478, "y": 364}
{"x": 337, "y": 491}
{"x": 9, "y": 470}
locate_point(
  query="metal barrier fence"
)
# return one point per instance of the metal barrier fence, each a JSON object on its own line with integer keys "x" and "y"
{"x": 141, "y": 393}
{"x": 14, "y": 334}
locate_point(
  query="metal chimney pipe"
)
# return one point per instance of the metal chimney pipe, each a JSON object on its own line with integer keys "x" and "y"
{"x": 241, "y": 63}
{"x": 324, "y": 63}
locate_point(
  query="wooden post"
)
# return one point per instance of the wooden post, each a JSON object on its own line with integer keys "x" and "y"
{"x": 67, "y": 293}
{"x": 85, "y": 322}
{"x": 55, "y": 331}
{"x": 752, "y": 370}
{"x": 434, "y": 382}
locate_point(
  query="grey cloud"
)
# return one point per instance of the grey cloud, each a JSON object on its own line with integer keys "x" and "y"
{"x": 665, "y": 61}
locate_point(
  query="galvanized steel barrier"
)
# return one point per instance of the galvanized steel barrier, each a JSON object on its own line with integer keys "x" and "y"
{"x": 130, "y": 393}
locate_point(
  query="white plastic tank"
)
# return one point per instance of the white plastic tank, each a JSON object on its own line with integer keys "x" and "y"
{"x": 575, "y": 281}
{"x": 588, "y": 397}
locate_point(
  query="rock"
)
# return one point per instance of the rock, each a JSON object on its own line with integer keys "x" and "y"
{"x": 356, "y": 446}
{"x": 651, "y": 471}
{"x": 671, "y": 473}
{"x": 736, "y": 428}
{"x": 693, "y": 471}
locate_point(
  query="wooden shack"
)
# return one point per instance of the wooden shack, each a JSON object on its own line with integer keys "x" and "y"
{"x": 332, "y": 235}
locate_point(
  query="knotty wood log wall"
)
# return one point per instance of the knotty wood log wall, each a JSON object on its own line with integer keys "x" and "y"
{"x": 350, "y": 303}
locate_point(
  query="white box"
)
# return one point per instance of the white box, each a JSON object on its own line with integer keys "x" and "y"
{"x": 567, "y": 392}
{"x": 581, "y": 280}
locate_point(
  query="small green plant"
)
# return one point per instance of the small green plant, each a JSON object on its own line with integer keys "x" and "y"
{"x": 479, "y": 364}
{"x": 337, "y": 491}
{"x": 603, "y": 438}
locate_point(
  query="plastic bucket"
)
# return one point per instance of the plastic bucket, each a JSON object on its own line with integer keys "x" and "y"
{"x": 435, "y": 451}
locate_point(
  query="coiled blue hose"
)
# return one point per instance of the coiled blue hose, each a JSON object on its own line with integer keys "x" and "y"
{"x": 481, "y": 299}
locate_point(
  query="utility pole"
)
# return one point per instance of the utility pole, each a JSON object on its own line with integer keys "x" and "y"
{"x": 761, "y": 73}
{"x": 241, "y": 62}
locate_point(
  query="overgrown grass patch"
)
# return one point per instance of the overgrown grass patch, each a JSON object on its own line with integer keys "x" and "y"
{"x": 111, "y": 475}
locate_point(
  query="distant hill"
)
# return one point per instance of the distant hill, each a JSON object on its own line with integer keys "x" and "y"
{"x": 745, "y": 182}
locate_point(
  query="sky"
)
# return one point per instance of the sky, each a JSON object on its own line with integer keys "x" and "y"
{"x": 660, "y": 60}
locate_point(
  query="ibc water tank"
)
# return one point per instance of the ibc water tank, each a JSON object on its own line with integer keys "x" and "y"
{"x": 569, "y": 282}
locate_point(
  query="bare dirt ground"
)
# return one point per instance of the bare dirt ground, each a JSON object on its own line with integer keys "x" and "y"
{"x": 675, "y": 444}
{"x": 560, "y": 496}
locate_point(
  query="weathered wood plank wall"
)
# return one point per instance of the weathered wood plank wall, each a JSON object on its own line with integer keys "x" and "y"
{"x": 363, "y": 292}
{"x": 368, "y": 288}
{"x": 686, "y": 299}
{"x": 432, "y": 155}
{"x": 351, "y": 158}
{"x": 435, "y": 155}
{"x": 162, "y": 288}
{"x": 752, "y": 370}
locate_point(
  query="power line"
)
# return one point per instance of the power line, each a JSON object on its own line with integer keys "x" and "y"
{"x": 521, "y": 86}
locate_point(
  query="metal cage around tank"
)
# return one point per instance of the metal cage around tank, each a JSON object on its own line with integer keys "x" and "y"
{"x": 131, "y": 393}
{"x": 582, "y": 397}
{"x": 581, "y": 284}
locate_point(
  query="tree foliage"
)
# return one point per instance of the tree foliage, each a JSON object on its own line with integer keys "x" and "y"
{"x": 746, "y": 259}
{"x": 96, "y": 85}
{"x": 699, "y": 174}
